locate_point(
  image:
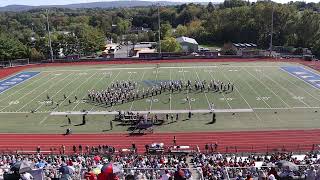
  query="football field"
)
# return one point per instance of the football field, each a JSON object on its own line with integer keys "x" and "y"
{"x": 266, "y": 96}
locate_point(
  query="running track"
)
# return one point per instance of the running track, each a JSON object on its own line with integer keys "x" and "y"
{"x": 245, "y": 141}
{"x": 254, "y": 141}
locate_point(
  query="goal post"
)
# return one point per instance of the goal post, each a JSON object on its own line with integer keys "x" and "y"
{"x": 19, "y": 62}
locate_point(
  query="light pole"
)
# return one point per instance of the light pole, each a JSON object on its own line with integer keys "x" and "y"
{"x": 159, "y": 33}
{"x": 271, "y": 35}
{"x": 49, "y": 34}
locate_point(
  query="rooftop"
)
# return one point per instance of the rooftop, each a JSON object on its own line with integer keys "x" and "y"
{"x": 186, "y": 39}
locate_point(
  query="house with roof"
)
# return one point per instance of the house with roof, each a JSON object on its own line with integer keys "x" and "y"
{"x": 188, "y": 44}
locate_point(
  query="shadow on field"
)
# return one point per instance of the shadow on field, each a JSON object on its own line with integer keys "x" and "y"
{"x": 79, "y": 124}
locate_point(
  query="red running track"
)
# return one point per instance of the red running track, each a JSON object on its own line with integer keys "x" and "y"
{"x": 9, "y": 71}
{"x": 246, "y": 141}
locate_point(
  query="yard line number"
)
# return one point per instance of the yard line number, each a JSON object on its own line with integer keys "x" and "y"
{"x": 153, "y": 100}
{"x": 13, "y": 102}
{"x": 226, "y": 99}
{"x": 262, "y": 98}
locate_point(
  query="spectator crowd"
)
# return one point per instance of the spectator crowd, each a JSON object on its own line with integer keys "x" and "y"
{"x": 212, "y": 166}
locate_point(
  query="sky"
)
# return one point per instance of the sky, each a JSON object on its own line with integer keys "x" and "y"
{"x": 62, "y": 2}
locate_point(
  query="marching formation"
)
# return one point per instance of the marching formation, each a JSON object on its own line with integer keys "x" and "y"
{"x": 126, "y": 91}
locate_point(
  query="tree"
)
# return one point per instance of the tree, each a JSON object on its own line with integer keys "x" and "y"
{"x": 181, "y": 30}
{"x": 166, "y": 30}
{"x": 11, "y": 48}
{"x": 210, "y": 7}
{"x": 36, "y": 55}
{"x": 91, "y": 40}
{"x": 170, "y": 44}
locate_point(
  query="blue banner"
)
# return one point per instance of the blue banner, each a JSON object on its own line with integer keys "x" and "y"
{"x": 15, "y": 80}
{"x": 304, "y": 74}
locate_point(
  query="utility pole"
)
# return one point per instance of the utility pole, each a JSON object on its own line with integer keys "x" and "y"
{"x": 159, "y": 33}
{"x": 271, "y": 35}
{"x": 49, "y": 34}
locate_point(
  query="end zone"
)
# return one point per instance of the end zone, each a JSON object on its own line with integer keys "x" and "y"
{"x": 15, "y": 80}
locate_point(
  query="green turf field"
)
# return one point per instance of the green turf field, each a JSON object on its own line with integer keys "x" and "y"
{"x": 269, "y": 97}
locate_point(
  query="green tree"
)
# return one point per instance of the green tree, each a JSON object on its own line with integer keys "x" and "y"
{"x": 11, "y": 48}
{"x": 181, "y": 30}
{"x": 91, "y": 40}
{"x": 36, "y": 55}
{"x": 166, "y": 30}
{"x": 170, "y": 44}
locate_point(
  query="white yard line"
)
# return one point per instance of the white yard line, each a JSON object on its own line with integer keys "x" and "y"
{"x": 235, "y": 87}
{"x": 222, "y": 92}
{"x": 255, "y": 92}
{"x": 152, "y": 96}
{"x": 23, "y": 112}
{"x": 17, "y": 83}
{"x": 287, "y": 108}
{"x": 45, "y": 118}
{"x": 163, "y": 67}
{"x": 25, "y": 86}
{"x": 71, "y": 81}
{"x": 108, "y": 85}
{"x": 205, "y": 94}
{"x": 284, "y": 88}
{"x": 28, "y": 93}
{"x": 154, "y": 112}
{"x": 80, "y": 100}
{"x": 297, "y": 85}
{"x": 312, "y": 70}
{"x": 52, "y": 85}
{"x": 111, "y": 109}
{"x": 268, "y": 88}
{"x": 184, "y": 78}
{"x": 144, "y": 72}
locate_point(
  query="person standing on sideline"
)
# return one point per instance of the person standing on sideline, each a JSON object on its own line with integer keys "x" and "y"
{"x": 111, "y": 125}
{"x": 213, "y": 118}
{"x": 69, "y": 120}
{"x": 189, "y": 115}
{"x": 174, "y": 140}
{"x": 177, "y": 117}
{"x": 171, "y": 117}
{"x": 83, "y": 119}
